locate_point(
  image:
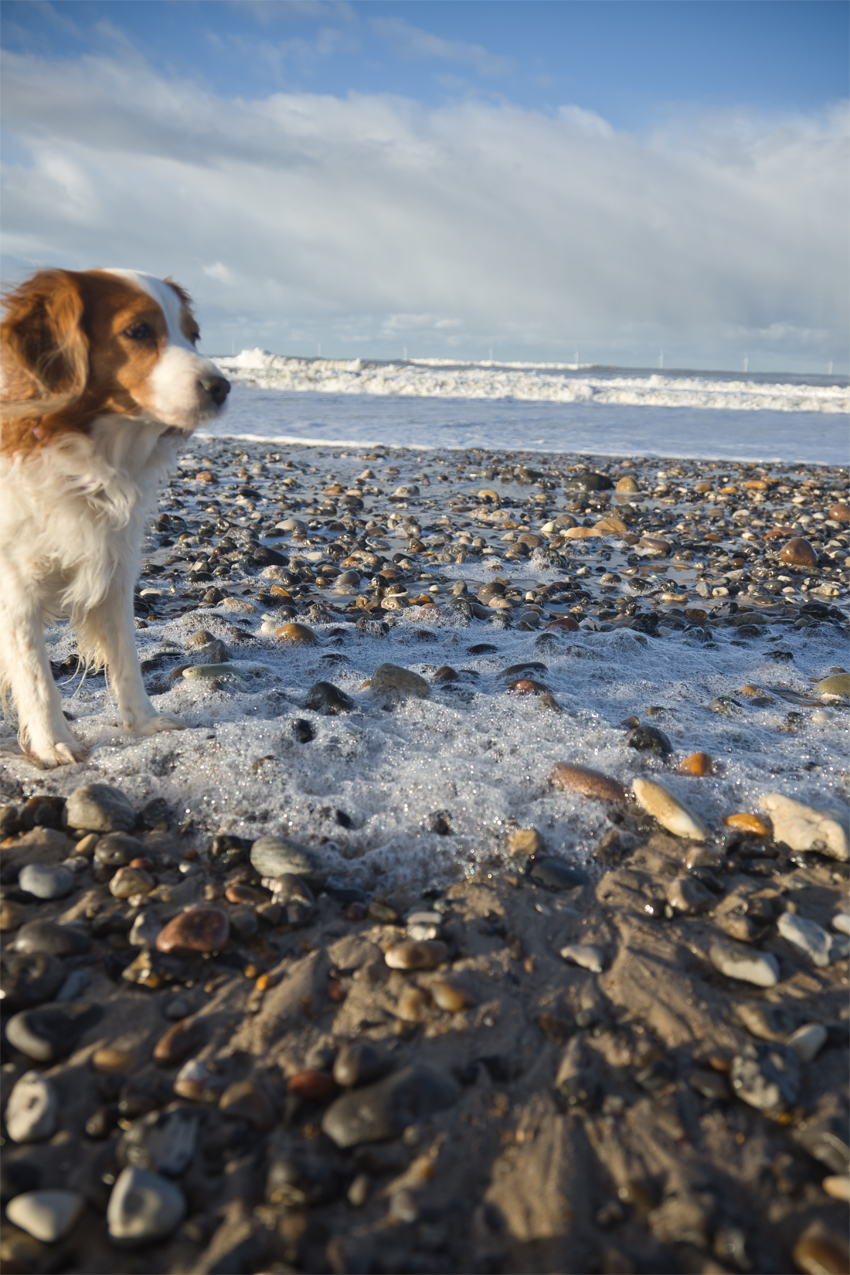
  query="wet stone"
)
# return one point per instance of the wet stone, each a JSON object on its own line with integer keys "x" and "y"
{"x": 278, "y": 856}
{"x": 32, "y": 1111}
{"x": 143, "y": 1207}
{"x": 766, "y": 1076}
{"x": 649, "y": 739}
{"x": 99, "y": 808}
{"x": 48, "y": 938}
{"x": 392, "y": 677}
{"x": 29, "y": 978}
{"x": 554, "y": 874}
{"x": 46, "y": 881}
{"x": 46, "y": 1215}
{"x": 117, "y": 849}
{"x": 198, "y": 930}
{"x": 383, "y": 1110}
{"x": 670, "y": 811}
{"x": 798, "y": 552}
{"x": 586, "y": 782}
{"x": 327, "y": 699}
{"x": 51, "y": 1031}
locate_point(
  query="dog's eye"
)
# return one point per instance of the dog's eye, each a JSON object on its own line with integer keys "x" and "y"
{"x": 140, "y": 332}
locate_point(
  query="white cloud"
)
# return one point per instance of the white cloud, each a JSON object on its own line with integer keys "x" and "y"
{"x": 494, "y": 223}
{"x": 413, "y": 42}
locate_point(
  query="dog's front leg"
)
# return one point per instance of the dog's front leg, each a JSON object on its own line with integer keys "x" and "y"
{"x": 25, "y": 671}
{"x": 109, "y": 630}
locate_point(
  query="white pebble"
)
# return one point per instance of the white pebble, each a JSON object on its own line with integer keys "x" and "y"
{"x": 46, "y": 1215}
{"x": 143, "y": 1207}
{"x": 808, "y": 937}
{"x": 805, "y": 828}
{"x": 748, "y": 966}
{"x": 841, "y": 922}
{"x": 585, "y": 955}
{"x": 807, "y": 1041}
{"x": 32, "y": 1111}
{"x": 669, "y": 810}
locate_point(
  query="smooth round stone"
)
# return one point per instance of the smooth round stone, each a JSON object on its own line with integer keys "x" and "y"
{"x": 46, "y": 1215}
{"x": 554, "y": 874}
{"x": 161, "y": 1141}
{"x": 585, "y": 955}
{"x": 688, "y": 895}
{"x": 50, "y": 939}
{"x": 198, "y": 930}
{"x": 649, "y": 739}
{"x": 358, "y": 1063}
{"x": 392, "y": 677}
{"x": 698, "y": 764}
{"x": 117, "y": 849}
{"x": 376, "y": 1112}
{"x": 52, "y": 1030}
{"x": 46, "y": 881}
{"x": 327, "y": 699}
{"x": 449, "y": 997}
{"x": 186, "y": 1037}
{"x": 413, "y": 1006}
{"x": 837, "y": 1185}
{"x": 803, "y": 827}
{"x": 840, "y": 512}
{"x": 278, "y": 856}
{"x": 807, "y": 1041}
{"x": 744, "y": 821}
{"x": 143, "y": 1207}
{"x": 245, "y": 1100}
{"x": 766, "y": 1077}
{"x": 525, "y": 841}
{"x": 312, "y": 1083}
{"x": 841, "y": 922}
{"x": 29, "y": 978}
{"x": 672, "y": 813}
{"x": 626, "y": 484}
{"x": 99, "y": 808}
{"x": 745, "y": 964}
{"x": 807, "y": 937}
{"x": 32, "y": 1111}
{"x": 798, "y": 552}
{"x": 586, "y": 782}
{"x": 11, "y": 916}
{"x": 417, "y": 956}
{"x": 109, "y": 1061}
{"x": 128, "y": 882}
{"x": 298, "y": 634}
{"x": 835, "y": 684}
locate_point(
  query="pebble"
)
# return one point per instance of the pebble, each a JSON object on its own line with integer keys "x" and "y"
{"x": 75, "y": 984}
{"x": 649, "y": 739}
{"x": 197, "y": 1082}
{"x": 186, "y": 1037}
{"x": 129, "y": 882}
{"x": 358, "y": 1063}
{"x": 819, "y": 1253}
{"x": 46, "y": 881}
{"x": 297, "y": 634}
{"x": 807, "y": 1041}
{"x": 116, "y": 849}
{"x": 766, "y": 1076}
{"x": 525, "y": 841}
{"x": 198, "y": 930}
{"x": 744, "y": 821}
{"x": 672, "y": 813}
{"x": 836, "y": 684}
{"x": 51, "y": 1030}
{"x": 327, "y": 699}
{"x": 821, "y": 947}
{"x": 413, "y": 1005}
{"x": 688, "y": 895}
{"x": 803, "y": 827}
{"x": 586, "y": 955}
{"x": 11, "y": 916}
{"x": 46, "y": 1215}
{"x": 383, "y": 1110}
{"x": 698, "y": 764}
{"x": 586, "y": 782}
{"x": 99, "y": 808}
{"x": 449, "y": 997}
{"x": 837, "y": 1185}
{"x": 50, "y": 939}
{"x": 767, "y": 1022}
{"x": 554, "y": 874}
{"x": 245, "y": 1100}
{"x": 28, "y": 979}
{"x": 278, "y": 857}
{"x": 110, "y": 1061}
{"x": 32, "y": 1112}
{"x": 745, "y": 964}
{"x": 143, "y": 1208}
{"x": 312, "y": 1083}
{"x": 798, "y": 552}
{"x": 417, "y": 956}
{"x": 161, "y": 1141}
{"x": 841, "y": 922}
{"x": 145, "y": 928}
{"x": 391, "y": 677}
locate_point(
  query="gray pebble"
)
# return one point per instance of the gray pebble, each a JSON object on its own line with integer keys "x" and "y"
{"x": 46, "y": 881}
{"x": 278, "y": 856}
{"x": 358, "y": 1063}
{"x": 99, "y": 808}
{"x": 554, "y": 874}
{"x": 811, "y": 939}
{"x": 52, "y": 939}
{"x": 29, "y": 978}
{"x": 75, "y": 984}
{"x": 145, "y": 929}
{"x": 161, "y": 1141}
{"x": 32, "y": 1111}
{"x": 117, "y": 849}
{"x": 327, "y": 699}
{"x": 807, "y": 1041}
{"x": 46, "y": 1215}
{"x": 143, "y": 1207}
{"x": 51, "y": 1030}
{"x": 766, "y": 1077}
{"x": 391, "y": 677}
{"x": 385, "y": 1109}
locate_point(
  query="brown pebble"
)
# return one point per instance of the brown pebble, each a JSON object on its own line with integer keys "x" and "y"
{"x": 245, "y": 894}
{"x": 527, "y": 686}
{"x": 525, "y": 841}
{"x": 413, "y": 1005}
{"x": 817, "y": 1252}
{"x": 319, "y": 1085}
{"x": 799, "y": 553}
{"x": 586, "y": 782}
{"x": 449, "y": 997}
{"x": 445, "y": 674}
{"x": 626, "y": 484}
{"x": 129, "y": 881}
{"x": 564, "y": 624}
{"x": 424, "y": 955}
{"x": 840, "y": 512}
{"x": 296, "y": 633}
{"x": 113, "y": 1062}
{"x": 11, "y": 916}
{"x": 245, "y": 1100}
{"x": 198, "y": 930}
{"x": 746, "y": 822}
{"x": 146, "y": 865}
{"x": 179, "y": 1041}
{"x": 699, "y": 764}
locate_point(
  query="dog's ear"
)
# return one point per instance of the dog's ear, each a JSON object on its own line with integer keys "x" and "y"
{"x": 42, "y": 335}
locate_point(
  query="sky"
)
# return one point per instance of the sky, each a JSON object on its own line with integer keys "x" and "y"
{"x": 611, "y": 179}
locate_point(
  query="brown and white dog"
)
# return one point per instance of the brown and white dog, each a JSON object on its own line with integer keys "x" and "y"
{"x": 100, "y": 384}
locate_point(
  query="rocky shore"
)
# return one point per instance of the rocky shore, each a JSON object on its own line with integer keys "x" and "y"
{"x": 491, "y": 913}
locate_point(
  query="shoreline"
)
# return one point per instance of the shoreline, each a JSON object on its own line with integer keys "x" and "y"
{"x": 634, "y": 1106}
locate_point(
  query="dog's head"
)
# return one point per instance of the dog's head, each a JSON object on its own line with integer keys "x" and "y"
{"x": 83, "y": 344}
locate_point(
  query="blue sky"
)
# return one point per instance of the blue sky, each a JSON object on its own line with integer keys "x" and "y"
{"x": 448, "y": 176}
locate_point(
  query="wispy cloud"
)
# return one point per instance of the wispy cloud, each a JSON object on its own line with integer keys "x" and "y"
{"x": 471, "y": 223}
{"x": 412, "y": 42}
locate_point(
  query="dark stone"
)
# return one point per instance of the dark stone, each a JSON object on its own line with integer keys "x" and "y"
{"x": 116, "y": 849}
{"x": 302, "y": 731}
{"x": 52, "y": 1030}
{"x": 48, "y": 938}
{"x": 359, "y": 1063}
{"x": 587, "y": 481}
{"x": 99, "y": 808}
{"x": 383, "y": 1110}
{"x": 327, "y": 699}
{"x": 482, "y": 648}
{"x": 554, "y": 874}
{"x": 29, "y": 978}
{"x": 649, "y": 739}
{"x": 439, "y": 821}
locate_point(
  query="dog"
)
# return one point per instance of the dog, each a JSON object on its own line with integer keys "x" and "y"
{"x": 101, "y": 383}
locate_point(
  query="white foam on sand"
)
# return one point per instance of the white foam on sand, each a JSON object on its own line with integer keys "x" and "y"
{"x": 471, "y": 749}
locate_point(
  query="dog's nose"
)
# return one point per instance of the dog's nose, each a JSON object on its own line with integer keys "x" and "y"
{"x": 217, "y": 387}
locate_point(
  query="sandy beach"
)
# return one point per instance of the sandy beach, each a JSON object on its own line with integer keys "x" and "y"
{"x": 490, "y": 914}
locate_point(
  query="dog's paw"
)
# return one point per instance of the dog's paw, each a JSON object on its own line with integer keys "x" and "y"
{"x": 162, "y": 721}
{"x": 61, "y": 753}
